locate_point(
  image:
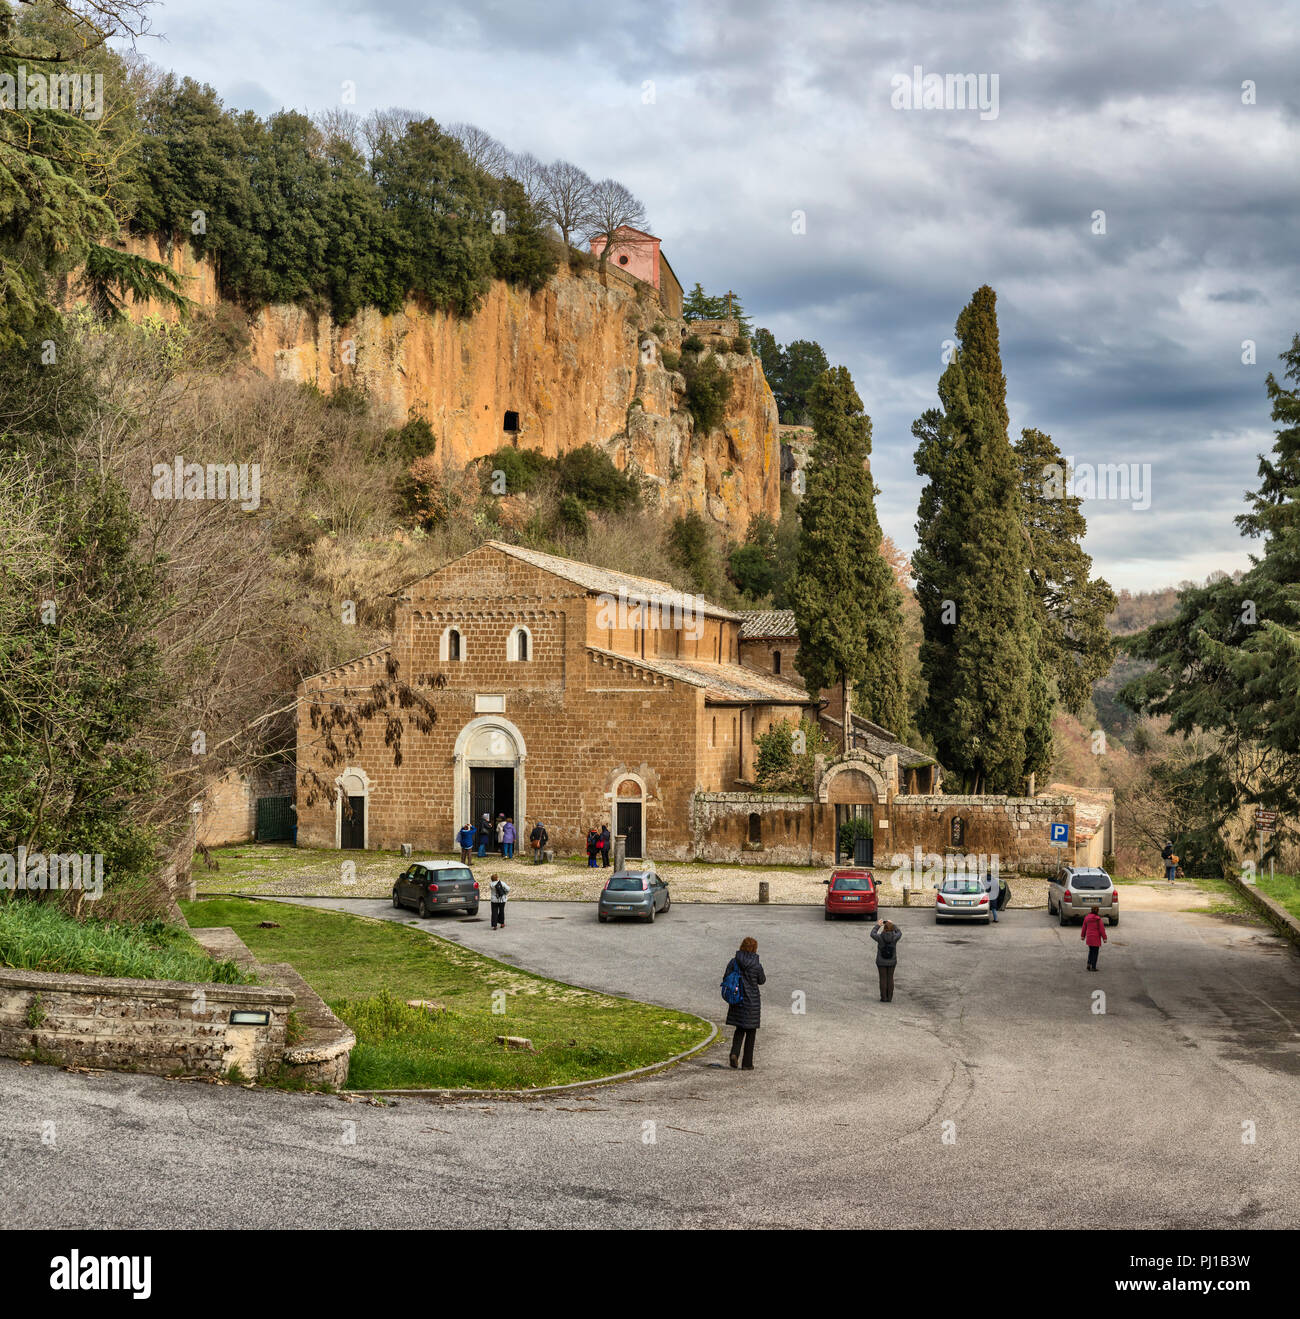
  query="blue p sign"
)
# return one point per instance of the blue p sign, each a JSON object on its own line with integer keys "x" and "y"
{"x": 1060, "y": 833}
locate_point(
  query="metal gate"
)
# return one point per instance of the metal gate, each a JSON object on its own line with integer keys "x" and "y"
{"x": 855, "y": 833}
{"x": 274, "y": 820}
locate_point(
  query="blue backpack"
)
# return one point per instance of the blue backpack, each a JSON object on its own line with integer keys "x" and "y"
{"x": 732, "y": 988}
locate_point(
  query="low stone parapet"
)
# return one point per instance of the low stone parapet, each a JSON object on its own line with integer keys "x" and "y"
{"x": 164, "y": 1027}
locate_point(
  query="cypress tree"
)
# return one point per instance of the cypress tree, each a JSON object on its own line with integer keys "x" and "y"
{"x": 1070, "y": 606}
{"x": 847, "y": 606}
{"x": 987, "y": 713}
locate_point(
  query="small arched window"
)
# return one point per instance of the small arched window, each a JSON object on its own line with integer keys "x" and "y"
{"x": 776, "y": 661}
{"x": 755, "y": 828}
{"x": 958, "y": 834}
{"x": 452, "y": 645}
{"x": 519, "y": 646}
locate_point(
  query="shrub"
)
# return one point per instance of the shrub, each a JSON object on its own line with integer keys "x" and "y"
{"x": 708, "y": 387}
{"x": 692, "y": 344}
{"x": 740, "y": 345}
{"x": 670, "y": 359}
{"x": 407, "y": 443}
{"x": 589, "y": 474}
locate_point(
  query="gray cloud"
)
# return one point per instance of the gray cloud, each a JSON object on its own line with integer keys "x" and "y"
{"x": 1125, "y": 346}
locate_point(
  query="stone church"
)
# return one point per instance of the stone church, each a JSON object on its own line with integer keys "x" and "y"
{"x": 584, "y": 697}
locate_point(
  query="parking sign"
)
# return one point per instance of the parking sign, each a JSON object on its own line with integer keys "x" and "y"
{"x": 1060, "y": 835}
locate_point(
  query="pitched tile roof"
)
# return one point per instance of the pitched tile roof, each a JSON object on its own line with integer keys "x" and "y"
{"x": 881, "y": 742}
{"x": 601, "y": 581}
{"x": 760, "y": 624}
{"x": 721, "y": 682}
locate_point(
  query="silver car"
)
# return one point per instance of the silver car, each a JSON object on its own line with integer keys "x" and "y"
{"x": 961, "y": 898}
{"x": 641, "y": 893}
{"x": 1074, "y": 891}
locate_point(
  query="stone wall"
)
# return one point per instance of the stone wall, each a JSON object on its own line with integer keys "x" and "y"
{"x": 163, "y": 1027}
{"x": 1015, "y": 829}
{"x": 229, "y": 813}
{"x": 793, "y": 830}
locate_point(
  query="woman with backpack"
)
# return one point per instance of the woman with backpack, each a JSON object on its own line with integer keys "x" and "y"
{"x": 498, "y": 894}
{"x": 745, "y": 1013}
{"x": 886, "y": 938}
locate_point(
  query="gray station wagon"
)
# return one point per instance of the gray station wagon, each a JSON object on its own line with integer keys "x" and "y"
{"x": 640, "y": 893}
{"x": 431, "y": 886}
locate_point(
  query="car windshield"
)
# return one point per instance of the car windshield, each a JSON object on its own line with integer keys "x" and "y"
{"x": 962, "y": 886}
{"x": 1092, "y": 879}
{"x": 854, "y": 883}
{"x": 451, "y": 876}
{"x": 625, "y": 884}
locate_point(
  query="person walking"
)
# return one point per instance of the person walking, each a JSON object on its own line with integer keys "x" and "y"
{"x": 1094, "y": 935}
{"x": 886, "y": 937}
{"x": 539, "y": 838}
{"x": 604, "y": 845}
{"x": 746, "y": 1015}
{"x": 998, "y": 895}
{"x": 1171, "y": 862}
{"x": 483, "y": 834}
{"x": 508, "y": 838}
{"x": 466, "y": 840}
{"x": 498, "y": 893}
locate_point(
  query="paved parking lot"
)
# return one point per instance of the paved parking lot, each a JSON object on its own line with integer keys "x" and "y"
{"x": 989, "y": 1092}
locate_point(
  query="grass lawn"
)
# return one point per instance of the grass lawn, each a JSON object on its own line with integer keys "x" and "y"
{"x": 40, "y": 936}
{"x": 1282, "y": 888}
{"x": 367, "y": 969}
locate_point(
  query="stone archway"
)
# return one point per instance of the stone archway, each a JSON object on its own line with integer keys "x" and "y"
{"x": 854, "y": 791}
{"x": 490, "y": 743}
{"x": 355, "y": 785}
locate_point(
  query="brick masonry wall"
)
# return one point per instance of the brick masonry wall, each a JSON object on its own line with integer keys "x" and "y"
{"x": 1013, "y": 828}
{"x": 159, "y": 1026}
{"x": 229, "y": 812}
{"x": 758, "y": 655}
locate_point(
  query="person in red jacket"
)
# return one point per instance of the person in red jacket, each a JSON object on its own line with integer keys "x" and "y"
{"x": 1094, "y": 935}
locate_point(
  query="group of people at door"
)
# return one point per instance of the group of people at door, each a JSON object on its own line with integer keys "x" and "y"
{"x": 598, "y": 844}
{"x": 486, "y": 837}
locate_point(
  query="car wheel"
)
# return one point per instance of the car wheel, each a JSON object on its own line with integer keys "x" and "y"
{"x": 650, "y": 920}
{"x": 604, "y": 920}
{"x": 397, "y": 902}
{"x": 668, "y": 902}
{"x": 471, "y": 911}
{"x": 424, "y": 909}
{"x": 1064, "y": 920}
{"x": 1112, "y": 920}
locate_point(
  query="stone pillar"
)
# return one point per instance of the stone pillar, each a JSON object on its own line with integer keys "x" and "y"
{"x": 763, "y": 891}
{"x": 620, "y": 851}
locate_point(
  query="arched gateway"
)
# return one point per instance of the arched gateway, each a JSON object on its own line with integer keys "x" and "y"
{"x": 489, "y": 774}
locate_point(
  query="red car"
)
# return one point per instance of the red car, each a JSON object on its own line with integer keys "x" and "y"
{"x": 850, "y": 893}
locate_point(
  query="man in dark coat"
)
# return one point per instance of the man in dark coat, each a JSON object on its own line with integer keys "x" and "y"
{"x": 593, "y": 842}
{"x": 746, "y": 1014}
{"x": 604, "y": 845}
{"x": 886, "y": 957}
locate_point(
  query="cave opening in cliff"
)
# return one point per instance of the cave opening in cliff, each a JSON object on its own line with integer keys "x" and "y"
{"x": 511, "y": 423}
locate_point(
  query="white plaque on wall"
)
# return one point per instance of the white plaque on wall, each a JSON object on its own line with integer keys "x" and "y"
{"x": 489, "y": 704}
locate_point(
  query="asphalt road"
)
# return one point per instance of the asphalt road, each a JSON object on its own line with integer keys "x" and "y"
{"x": 989, "y": 1093}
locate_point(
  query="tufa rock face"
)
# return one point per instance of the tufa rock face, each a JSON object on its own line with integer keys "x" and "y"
{"x": 578, "y": 362}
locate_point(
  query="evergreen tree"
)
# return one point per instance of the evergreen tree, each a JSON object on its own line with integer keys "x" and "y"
{"x": 847, "y": 607}
{"x": 1071, "y": 607}
{"x": 1228, "y": 663}
{"x": 985, "y": 711}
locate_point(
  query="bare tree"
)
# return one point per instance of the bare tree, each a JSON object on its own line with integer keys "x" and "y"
{"x": 613, "y": 207}
{"x": 524, "y": 167}
{"x": 390, "y": 123}
{"x": 340, "y": 125}
{"x": 567, "y": 199}
{"x": 481, "y": 147}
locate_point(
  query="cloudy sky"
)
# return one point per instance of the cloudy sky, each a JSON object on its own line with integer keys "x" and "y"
{"x": 728, "y": 117}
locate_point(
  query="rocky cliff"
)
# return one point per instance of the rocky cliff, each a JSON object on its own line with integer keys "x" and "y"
{"x": 578, "y": 362}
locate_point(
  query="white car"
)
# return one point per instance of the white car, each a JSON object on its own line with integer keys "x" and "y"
{"x": 961, "y": 898}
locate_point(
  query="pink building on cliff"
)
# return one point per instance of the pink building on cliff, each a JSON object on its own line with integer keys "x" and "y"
{"x": 637, "y": 253}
